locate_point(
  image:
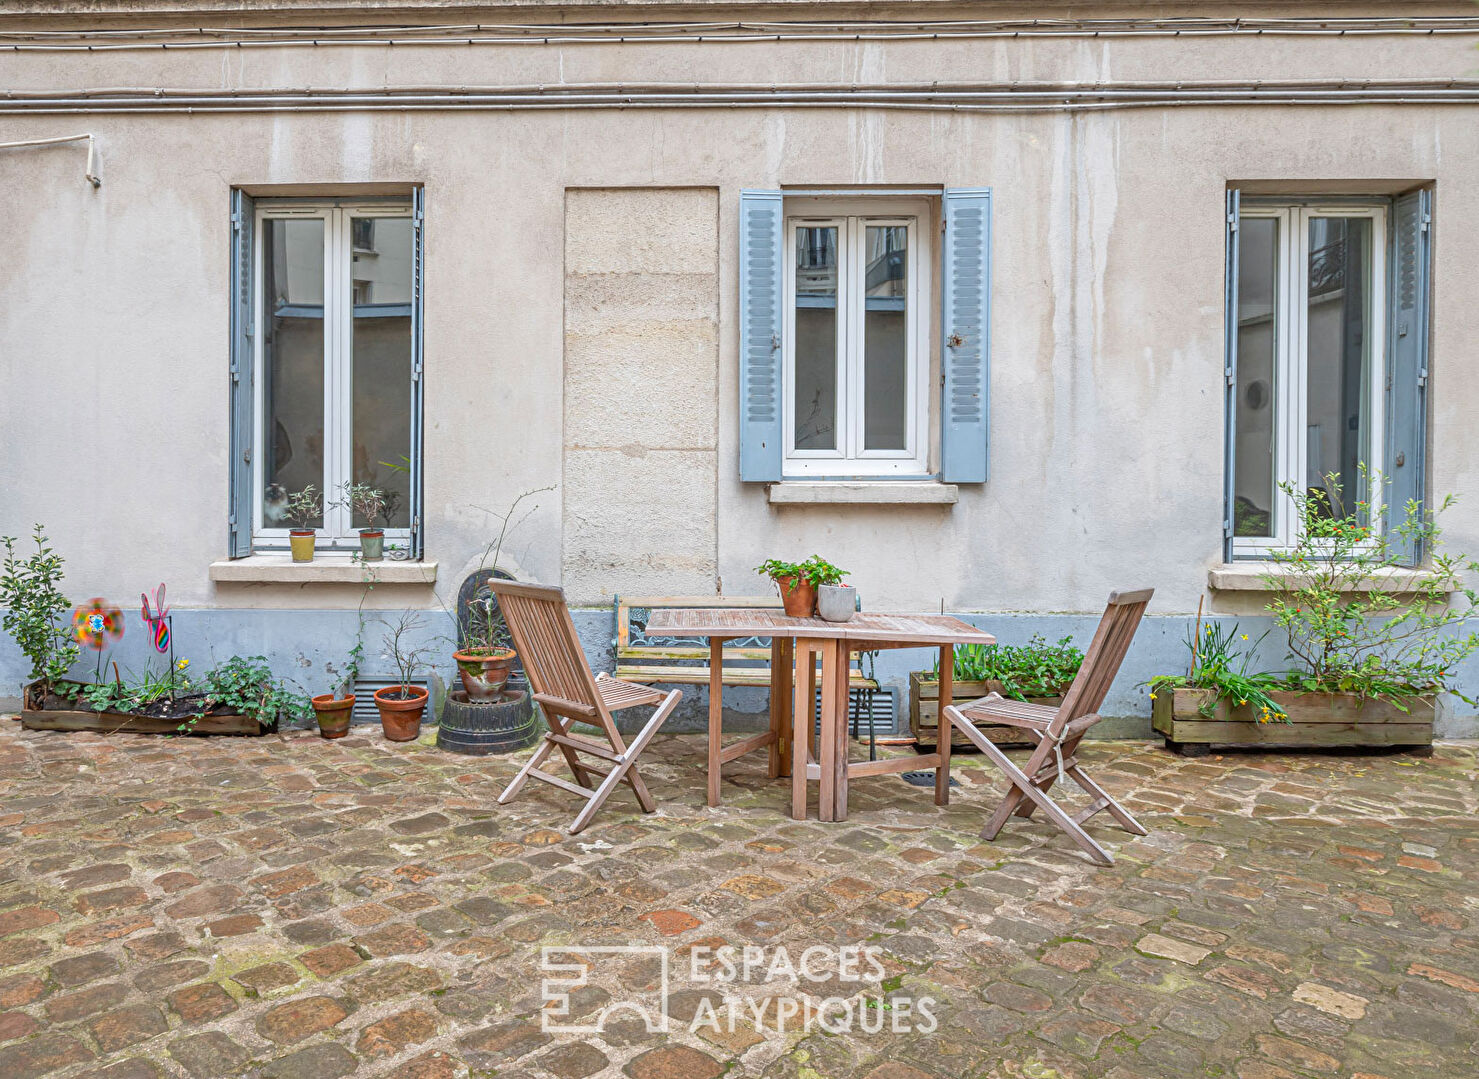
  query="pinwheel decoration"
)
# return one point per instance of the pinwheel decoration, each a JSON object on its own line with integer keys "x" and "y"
{"x": 157, "y": 619}
{"x": 95, "y": 623}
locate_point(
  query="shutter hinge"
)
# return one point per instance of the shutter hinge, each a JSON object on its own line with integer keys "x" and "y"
{"x": 1422, "y": 375}
{"x": 1227, "y": 528}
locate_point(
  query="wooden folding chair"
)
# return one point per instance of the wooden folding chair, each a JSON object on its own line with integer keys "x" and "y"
{"x": 564, "y": 688}
{"x": 1058, "y": 732}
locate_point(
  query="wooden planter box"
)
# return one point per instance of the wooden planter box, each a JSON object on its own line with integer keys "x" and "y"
{"x": 54, "y": 713}
{"x": 924, "y": 712}
{"x": 1315, "y": 719}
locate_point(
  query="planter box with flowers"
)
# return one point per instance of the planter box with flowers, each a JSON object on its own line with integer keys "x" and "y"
{"x": 1037, "y": 672}
{"x": 1368, "y": 664}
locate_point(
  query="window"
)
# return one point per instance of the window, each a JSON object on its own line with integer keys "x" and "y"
{"x": 839, "y": 328}
{"x": 332, "y": 363}
{"x": 856, "y": 355}
{"x": 1321, "y": 389}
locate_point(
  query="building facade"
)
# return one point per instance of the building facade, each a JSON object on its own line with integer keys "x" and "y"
{"x": 998, "y": 311}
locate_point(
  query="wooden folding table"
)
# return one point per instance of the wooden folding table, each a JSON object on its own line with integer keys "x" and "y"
{"x": 795, "y": 644}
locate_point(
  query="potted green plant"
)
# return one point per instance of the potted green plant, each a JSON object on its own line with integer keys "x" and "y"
{"x": 401, "y": 705}
{"x": 798, "y": 582}
{"x": 1036, "y": 672}
{"x": 335, "y": 709}
{"x": 36, "y": 612}
{"x": 1372, "y": 644}
{"x": 302, "y": 509}
{"x": 485, "y": 658}
{"x": 371, "y": 504}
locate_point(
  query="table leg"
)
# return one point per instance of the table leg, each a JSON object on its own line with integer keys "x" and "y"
{"x": 946, "y": 731}
{"x": 832, "y": 739}
{"x": 841, "y": 699}
{"x": 781, "y": 651}
{"x": 716, "y": 713}
{"x": 800, "y": 712}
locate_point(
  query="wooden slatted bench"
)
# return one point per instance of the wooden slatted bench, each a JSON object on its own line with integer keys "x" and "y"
{"x": 684, "y": 660}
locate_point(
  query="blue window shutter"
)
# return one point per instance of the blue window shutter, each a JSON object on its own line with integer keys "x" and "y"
{"x": 418, "y": 322}
{"x": 762, "y": 294}
{"x": 966, "y": 327}
{"x": 1407, "y": 364}
{"x": 1230, "y": 376}
{"x": 243, "y": 327}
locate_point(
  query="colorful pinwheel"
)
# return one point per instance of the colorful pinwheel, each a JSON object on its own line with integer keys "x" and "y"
{"x": 156, "y": 619}
{"x": 95, "y": 623}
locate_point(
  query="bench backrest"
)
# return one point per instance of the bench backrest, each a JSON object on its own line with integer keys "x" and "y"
{"x": 633, "y": 643}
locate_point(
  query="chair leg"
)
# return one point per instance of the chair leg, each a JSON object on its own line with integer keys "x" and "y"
{"x": 1113, "y": 808}
{"x": 627, "y": 766}
{"x": 1024, "y": 787}
{"x": 540, "y": 756}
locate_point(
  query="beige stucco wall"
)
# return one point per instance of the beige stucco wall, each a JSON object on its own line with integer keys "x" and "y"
{"x": 1106, "y": 406}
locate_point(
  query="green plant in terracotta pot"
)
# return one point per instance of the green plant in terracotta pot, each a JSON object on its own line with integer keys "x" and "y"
{"x": 798, "y": 582}
{"x": 302, "y": 509}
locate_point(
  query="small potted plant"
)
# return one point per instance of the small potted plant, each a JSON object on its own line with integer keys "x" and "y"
{"x": 798, "y": 582}
{"x": 402, "y": 705}
{"x": 836, "y": 602}
{"x": 336, "y": 708}
{"x": 484, "y": 659}
{"x": 302, "y": 509}
{"x": 372, "y": 504}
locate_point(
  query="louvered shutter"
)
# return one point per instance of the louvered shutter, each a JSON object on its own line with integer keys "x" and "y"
{"x": 762, "y": 286}
{"x": 243, "y": 322}
{"x": 1407, "y": 364}
{"x": 418, "y": 379}
{"x": 966, "y": 326}
{"x": 1230, "y": 375}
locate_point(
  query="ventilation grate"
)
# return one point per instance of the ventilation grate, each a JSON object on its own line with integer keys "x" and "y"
{"x": 923, "y": 779}
{"x": 874, "y": 712}
{"x": 364, "y": 699}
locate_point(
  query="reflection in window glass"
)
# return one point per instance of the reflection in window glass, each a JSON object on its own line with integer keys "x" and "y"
{"x": 886, "y": 338}
{"x": 1258, "y": 318}
{"x": 1338, "y": 388}
{"x": 381, "y": 293}
{"x": 293, "y": 368}
{"x": 815, "y": 386}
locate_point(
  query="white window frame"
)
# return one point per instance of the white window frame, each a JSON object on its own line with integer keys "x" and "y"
{"x": 1291, "y": 337}
{"x": 338, "y": 535}
{"x": 852, "y": 218}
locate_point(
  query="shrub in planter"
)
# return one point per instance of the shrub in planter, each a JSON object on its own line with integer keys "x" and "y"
{"x": 798, "y": 582}
{"x": 36, "y": 612}
{"x": 1369, "y": 663}
{"x": 301, "y": 510}
{"x": 401, "y": 705}
{"x": 1037, "y": 672}
{"x": 373, "y": 505}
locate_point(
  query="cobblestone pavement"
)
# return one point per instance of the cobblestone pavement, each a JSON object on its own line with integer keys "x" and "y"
{"x": 288, "y": 907}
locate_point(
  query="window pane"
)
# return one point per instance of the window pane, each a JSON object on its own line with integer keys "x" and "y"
{"x": 886, "y": 338}
{"x": 1338, "y": 436}
{"x": 816, "y": 338}
{"x": 381, "y": 292}
{"x": 293, "y": 363}
{"x": 1256, "y": 412}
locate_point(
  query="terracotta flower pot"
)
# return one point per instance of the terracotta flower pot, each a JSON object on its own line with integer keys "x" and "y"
{"x": 300, "y": 541}
{"x": 401, "y": 716}
{"x": 333, "y": 714}
{"x": 797, "y": 596}
{"x": 484, "y": 671}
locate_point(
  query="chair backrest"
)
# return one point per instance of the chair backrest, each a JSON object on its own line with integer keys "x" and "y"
{"x": 1102, "y": 661}
{"x": 549, "y": 647}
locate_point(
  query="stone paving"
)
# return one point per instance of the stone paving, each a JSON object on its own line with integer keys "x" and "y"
{"x": 288, "y": 907}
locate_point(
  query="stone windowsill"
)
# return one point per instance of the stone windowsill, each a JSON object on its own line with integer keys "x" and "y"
{"x": 863, "y": 492}
{"x": 324, "y": 569}
{"x": 1249, "y": 577}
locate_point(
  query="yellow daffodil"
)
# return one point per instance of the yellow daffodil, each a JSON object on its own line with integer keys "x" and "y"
{"x": 182, "y": 664}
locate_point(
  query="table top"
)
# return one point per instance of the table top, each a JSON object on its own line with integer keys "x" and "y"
{"x": 922, "y": 629}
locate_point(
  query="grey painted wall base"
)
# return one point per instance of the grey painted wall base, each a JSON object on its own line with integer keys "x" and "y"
{"x": 310, "y": 646}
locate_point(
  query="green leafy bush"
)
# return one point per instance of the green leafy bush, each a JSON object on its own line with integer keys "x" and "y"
{"x": 36, "y": 610}
{"x": 1034, "y": 669}
{"x": 246, "y": 686}
{"x": 1220, "y": 664}
{"x": 816, "y": 571}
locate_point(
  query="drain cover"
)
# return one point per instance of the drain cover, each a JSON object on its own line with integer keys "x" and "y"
{"x": 923, "y": 779}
